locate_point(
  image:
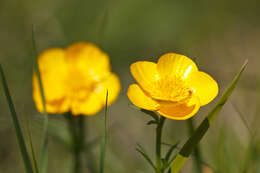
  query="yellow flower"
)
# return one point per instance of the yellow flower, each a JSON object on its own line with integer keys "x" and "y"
{"x": 75, "y": 79}
{"x": 174, "y": 87}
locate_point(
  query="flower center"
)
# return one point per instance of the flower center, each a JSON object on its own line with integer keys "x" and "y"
{"x": 171, "y": 89}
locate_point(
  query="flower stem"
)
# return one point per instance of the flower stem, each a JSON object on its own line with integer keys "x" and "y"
{"x": 197, "y": 154}
{"x": 90, "y": 158}
{"x": 158, "y": 144}
{"x": 77, "y": 129}
{"x": 80, "y": 141}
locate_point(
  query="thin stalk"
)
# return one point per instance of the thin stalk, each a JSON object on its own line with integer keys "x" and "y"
{"x": 104, "y": 140}
{"x": 33, "y": 156}
{"x": 158, "y": 144}
{"x": 90, "y": 164}
{"x": 78, "y": 133}
{"x": 18, "y": 130}
{"x": 76, "y": 126}
{"x": 44, "y": 152}
{"x": 197, "y": 154}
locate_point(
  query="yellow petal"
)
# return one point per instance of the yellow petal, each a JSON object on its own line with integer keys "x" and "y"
{"x": 180, "y": 111}
{"x": 91, "y": 106}
{"x": 204, "y": 87}
{"x": 173, "y": 65}
{"x": 53, "y": 70}
{"x": 89, "y": 60}
{"x": 97, "y": 99}
{"x": 140, "y": 99}
{"x": 146, "y": 75}
{"x": 58, "y": 105}
{"x": 110, "y": 84}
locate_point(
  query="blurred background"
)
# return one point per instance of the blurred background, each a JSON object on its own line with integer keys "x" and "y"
{"x": 219, "y": 34}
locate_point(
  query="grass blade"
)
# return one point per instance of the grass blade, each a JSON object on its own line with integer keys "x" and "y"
{"x": 141, "y": 150}
{"x": 169, "y": 153}
{"x": 34, "y": 160}
{"x": 192, "y": 142}
{"x": 245, "y": 122}
{"x": 17, "y": 127}
{"x": 197, "y": 154}
{"x": 103, "y": 140}
{"x": 44, "y": 152}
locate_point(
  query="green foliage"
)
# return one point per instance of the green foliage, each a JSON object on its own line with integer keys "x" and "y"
{"x": 142, "y": 151}
{"x": 44, "y": 152}
{"x": 34, "y": 160}
{"x": 18, "y": 130}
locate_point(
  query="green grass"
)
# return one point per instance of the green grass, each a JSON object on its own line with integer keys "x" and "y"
{"x": 103, "y": 140}
{"x": 44, "y": 151}
{"x": 18, "y": 130}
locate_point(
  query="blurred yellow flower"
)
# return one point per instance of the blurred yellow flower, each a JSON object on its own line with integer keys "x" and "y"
{"x": 75, "y": 79}
{"x": 174, "y": 87}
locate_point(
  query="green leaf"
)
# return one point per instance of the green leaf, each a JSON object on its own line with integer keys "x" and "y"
{"x": 197, "y": 155}
{"x": 19, "y": 134}
{"x": 103, "y": 140}
{"x": 169, "y": 164}
{"x": 169, "y": 153}
{"x": 192, "y": 142}
{"x": 44, "y": 152}
{"x": 141, "y": 150}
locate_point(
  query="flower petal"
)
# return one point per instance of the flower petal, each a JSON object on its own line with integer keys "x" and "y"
{"x": 146, "y": 75}
{"x": 58, "y": 105}
{"x": 204, "y": 87}
{"x": 175, "y": 65}
{"x": 140, "y": 99}
{"x": 97, "y": 99}
{"x": 53, "y": 71}
{"x": 180, "y": 111}
{"x": 89, "y": 60}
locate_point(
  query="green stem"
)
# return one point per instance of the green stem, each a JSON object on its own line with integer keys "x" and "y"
{"x": 158, "y": 144}
{"x": 91, "y": 165}
{"x": 197, "y": 154}
{"x": 77, "y": 129}
{"x": 80, "y": 138}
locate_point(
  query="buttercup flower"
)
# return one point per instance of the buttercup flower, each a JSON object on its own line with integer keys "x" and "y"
{"x": 174, "y": 87}
{"x": 75, "y": 79}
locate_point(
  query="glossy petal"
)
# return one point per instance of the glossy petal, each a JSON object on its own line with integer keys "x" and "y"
{"x": 145, "y": 73}
{"x": 204, "y": 87}
{"x": 173, "y": 65}
{"x": 97, "y": 99}
{"x": 140, "y": 99}
{"x": 89, "y": 60}
{"x": 180, "y": 111}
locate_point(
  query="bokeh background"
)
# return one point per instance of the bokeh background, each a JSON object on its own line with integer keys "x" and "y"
{"x": 219, "y": 34}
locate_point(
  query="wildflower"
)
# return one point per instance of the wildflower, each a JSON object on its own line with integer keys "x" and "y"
{"x": 75, "y": 79}
{"x": 174, "y": 87}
